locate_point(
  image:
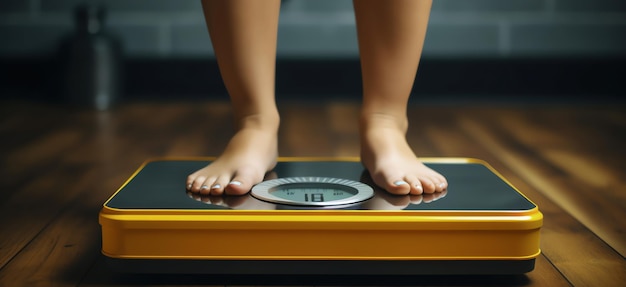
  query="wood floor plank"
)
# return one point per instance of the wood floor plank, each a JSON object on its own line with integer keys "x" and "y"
{"x": 423, "y": 119}
{"x": 103, "y": 141}
{"x": 591, "y": 132}
{"x": 64, "y": 250}
{"x": 588, "y": 189}
{"x": 67, "y": 249}
{"x": 546, "y": 274}
{"x": 198, "y": 134}
{"x": 582, "y": 248}
{"x": 31, "y": 209}
{"x": 597, "y": 142}
{"x": 301, "y": 127}
{"x": 344, "y": 128}
{"x": 46, "y": 256}
{"x": 19, "y": 118}
{"x": 455, "y": 142}
{"x": 55, "y": 180}
{"x": 39, "y": 152}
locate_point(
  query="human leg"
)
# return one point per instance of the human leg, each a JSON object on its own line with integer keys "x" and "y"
{"x": 391, "y": 36}
{"x": 244, "y": 34}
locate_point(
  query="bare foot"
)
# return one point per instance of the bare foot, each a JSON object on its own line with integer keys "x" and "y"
{"x": 248, "y": 156}
{"x": 390, "y": 160}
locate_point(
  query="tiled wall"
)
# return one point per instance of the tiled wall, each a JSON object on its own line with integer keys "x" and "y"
{"x": 325, "y": 28}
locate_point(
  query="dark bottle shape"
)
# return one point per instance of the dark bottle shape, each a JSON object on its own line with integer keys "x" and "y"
{"x": 92, "y": 62}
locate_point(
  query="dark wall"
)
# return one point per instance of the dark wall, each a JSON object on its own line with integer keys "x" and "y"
{"x": 473, "y": 46}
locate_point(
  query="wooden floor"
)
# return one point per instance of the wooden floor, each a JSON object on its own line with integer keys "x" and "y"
{"x": 60, "y": 164}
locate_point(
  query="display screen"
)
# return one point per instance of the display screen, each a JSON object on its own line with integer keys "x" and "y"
{"x": 313, "y": 192}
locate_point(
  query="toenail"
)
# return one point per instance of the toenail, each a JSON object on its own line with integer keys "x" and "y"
{"x": 204, "y": 187}
{"x": 419, "y": 187}
{"x": 442, "y": 185}
{"x": 216, "y": 186}
{"x": 234, "y": 182}
{"x": 189, "y": 186}
{"x": 400, "y": 182}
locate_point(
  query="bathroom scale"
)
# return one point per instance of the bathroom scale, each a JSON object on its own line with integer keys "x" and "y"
{"x": 320, "y": 216}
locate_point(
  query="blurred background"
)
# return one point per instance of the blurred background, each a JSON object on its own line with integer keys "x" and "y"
{"x": 476, "y": 50}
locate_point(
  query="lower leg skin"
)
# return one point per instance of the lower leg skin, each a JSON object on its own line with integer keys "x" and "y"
{"x": 391, "y": 36}
{"x": 243, "y": 33}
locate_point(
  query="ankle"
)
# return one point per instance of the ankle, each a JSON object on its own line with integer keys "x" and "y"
{"x": 262, "y": 121}
{"x": 376, "y": 120}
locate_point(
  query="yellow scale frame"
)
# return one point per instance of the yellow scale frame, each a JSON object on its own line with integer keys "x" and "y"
{"x": 320, "y": 235}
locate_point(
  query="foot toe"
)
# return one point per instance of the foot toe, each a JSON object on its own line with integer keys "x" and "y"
{"x": 398, "y": 186}
{"x": 238, "y": 187}
{"x": 441, "y": 186}
{"x": 428, "y": 185}
{"x": 198, "y": 182}
{"x": 207, "y": 186}
{"x": 218, "y": 186}
{"x": 415, "y": 185}
{"x": 216, "y": 189}
{"x": 242, "y": 182}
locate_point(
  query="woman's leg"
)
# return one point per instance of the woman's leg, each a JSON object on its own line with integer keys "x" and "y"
{"x": 391, "y": 35}
{"x": 244, "y": 34}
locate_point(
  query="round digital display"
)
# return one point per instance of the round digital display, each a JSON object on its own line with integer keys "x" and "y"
{"x": 318, "y": 192}
{"x": 312, "y": 191}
